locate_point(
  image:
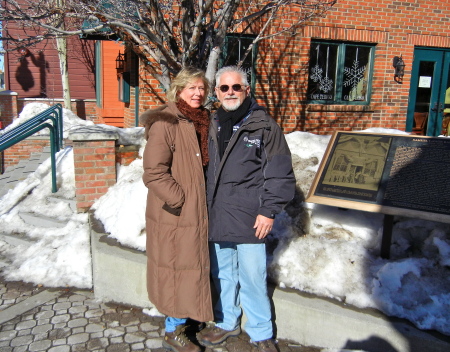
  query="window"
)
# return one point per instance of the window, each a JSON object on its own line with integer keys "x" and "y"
{"x": 124, "y": 87}
{"x": 98, "y": 72}
{"x": 341, "y": 163}
{"x": 371, "y": 168}
{"x": 234, "y": 50}
{"x": 340, "y": 73}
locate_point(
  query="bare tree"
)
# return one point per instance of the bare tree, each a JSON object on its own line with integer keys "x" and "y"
{"x": 170, "y": 34}
{"x": 61, "y": 43}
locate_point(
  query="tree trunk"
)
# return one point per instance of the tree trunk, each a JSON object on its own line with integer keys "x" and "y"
{"x": 61, "y": 44}
{"x": 63, "y": 66}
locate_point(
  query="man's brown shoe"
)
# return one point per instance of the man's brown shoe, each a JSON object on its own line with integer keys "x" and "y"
{"x": 213, "y": 335}
{"x": 266, "y": 346}
{"x": 177, "y": 341}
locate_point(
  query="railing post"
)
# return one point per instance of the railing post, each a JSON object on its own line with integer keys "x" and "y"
{"x": 60, "y": 125}
{"x": 53, "y": 159}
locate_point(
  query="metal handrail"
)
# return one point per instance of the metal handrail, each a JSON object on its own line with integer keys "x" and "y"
{"x": 34, "y": 121}
{"x": 35, "y": 124}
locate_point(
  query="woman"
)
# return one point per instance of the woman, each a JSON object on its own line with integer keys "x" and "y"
{"x": 176, "y": 216}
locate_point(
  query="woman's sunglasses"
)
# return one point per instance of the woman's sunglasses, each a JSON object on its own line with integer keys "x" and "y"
{"x": 236, "y": 87}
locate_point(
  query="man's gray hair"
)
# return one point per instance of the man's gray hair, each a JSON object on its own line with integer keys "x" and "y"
{"x": 228, "y": 69}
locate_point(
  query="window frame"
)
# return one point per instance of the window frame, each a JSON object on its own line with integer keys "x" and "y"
{"x": 254, "y": 53}
{"x": 340, "y": 59}
{"x": 124, "y": 87}
{"x": 98, "y": 74}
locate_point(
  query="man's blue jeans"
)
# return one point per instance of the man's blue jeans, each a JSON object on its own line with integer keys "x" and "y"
{"x": 239, "y": 274}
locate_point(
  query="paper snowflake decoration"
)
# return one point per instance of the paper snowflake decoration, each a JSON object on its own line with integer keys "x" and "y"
{"x": 316, "y": 73}
{"x": 326, "y": 85}
{"x": 355, "y": 74}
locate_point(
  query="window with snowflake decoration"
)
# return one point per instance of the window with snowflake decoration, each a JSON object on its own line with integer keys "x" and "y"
{"x": 234, "y": 51}
{"x": 340, "y": 73}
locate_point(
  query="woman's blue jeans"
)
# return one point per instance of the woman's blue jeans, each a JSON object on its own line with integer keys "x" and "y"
{"x": 239, "y": 274}
{"x": 172, "y": 323}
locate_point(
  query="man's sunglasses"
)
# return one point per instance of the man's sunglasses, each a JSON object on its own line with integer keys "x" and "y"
{"x": 236, "y": 87}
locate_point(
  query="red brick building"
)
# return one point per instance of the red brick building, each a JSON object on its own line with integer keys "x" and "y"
{"x": 335, "y": 73}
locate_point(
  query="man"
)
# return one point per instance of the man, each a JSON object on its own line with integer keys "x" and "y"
{"x": 250, "y": 179}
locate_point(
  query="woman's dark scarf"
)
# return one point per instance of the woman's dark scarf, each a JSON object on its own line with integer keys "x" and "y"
{"x": 200, "y": 118}
{"x": 227, "y": 119}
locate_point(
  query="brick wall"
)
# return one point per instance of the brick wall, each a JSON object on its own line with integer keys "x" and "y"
{"x": 125, "y": 155}
{"x": 24, "y": 149}
{"x": 8, "y": 107}
{"x": 395, "y": 27}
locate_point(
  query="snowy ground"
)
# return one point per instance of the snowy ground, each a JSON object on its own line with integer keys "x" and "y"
{"x": 318, "y": 249}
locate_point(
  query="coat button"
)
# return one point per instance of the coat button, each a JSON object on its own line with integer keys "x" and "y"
{"x": 197, "y": 154}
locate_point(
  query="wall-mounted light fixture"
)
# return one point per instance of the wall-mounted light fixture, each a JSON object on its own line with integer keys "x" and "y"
{"x": 399, "y": 66}
{"x": 23, "y": 52}
{"x": 120, "y": 62}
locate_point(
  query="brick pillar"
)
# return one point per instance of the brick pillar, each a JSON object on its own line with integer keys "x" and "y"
{"x": 95, "y": 164}
{"x": 8, "y": 107}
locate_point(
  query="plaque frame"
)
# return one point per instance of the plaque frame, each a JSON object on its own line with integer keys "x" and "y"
{"x": 335, "y": 183}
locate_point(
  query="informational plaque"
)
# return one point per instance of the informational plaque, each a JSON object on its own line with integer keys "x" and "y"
{"x": 405, "y": 175}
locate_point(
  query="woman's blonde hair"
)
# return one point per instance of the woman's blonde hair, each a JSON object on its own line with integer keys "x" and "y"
{"x": 183, "y": 78}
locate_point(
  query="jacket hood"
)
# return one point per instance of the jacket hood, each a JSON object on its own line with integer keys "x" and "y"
{"x": 163, "y": 113}
{"x": 255, "y": 106}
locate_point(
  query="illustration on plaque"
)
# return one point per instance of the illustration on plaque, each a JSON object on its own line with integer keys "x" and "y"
{"x": 358, "y": 162}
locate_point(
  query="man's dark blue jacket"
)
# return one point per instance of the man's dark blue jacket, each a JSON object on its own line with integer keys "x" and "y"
{"x": 254, "y": 177}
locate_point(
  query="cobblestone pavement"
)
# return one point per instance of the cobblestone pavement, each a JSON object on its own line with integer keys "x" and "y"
{"x": 36, "y": 318}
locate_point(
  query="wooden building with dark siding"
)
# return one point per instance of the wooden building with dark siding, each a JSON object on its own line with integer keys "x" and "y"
{"x": 34, "y": 72}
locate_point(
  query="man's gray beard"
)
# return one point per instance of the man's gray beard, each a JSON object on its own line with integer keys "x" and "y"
{"x": 232, "y": 107}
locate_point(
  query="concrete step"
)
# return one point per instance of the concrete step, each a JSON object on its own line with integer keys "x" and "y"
{"x": 34, "y": 156}
{"x": 20, "y": 171}
{"x": 34, "y": 162}
{"x": 17, "y": 172}
{"x": 7, "y": 172}
{"x": 31, "y": 166}
{"x": 71, "y": 202}
{"x": 13, "y": 240}
{"x": 6, "y": 185}
{"x": 41, "y": 220}
{"x": 4, "y": 177}
{"x": 16, "y": 239}
{"x": 44, "y": 157}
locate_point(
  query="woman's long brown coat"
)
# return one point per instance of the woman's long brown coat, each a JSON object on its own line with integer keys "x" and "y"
{"x": 176, "y": 217}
